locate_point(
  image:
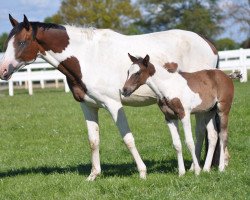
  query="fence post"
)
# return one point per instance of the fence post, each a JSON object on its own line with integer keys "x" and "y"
{"x": 66, "y": 86}
{"x": 243, "y": 66}
{"x": 11, "y": 88}
{"x": 29, "y": 81}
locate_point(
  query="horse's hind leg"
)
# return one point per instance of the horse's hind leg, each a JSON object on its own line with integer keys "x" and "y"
{"x": 173, "y": 127}
{"x": 200, "y": 130}
{"x": 91, "y": 117}
{"x": 118, "y": 115}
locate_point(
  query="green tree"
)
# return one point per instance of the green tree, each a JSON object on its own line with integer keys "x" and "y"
{"x": 226, "y": 44}
{"x": 115, "y": 14}
{"x": 3, "y": 38}
{"x": 195, "y": 15}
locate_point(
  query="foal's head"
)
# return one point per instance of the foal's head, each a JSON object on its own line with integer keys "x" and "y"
{"x": 21, "y": 48}
{"x": 138, "y": 73}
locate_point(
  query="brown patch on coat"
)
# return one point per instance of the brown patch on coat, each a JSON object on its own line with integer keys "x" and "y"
{"x": 212, "y": 86}
{"x": 172, "y": 109}
{"x": 72, "y": 70}
{"x": 171, "y": 67}
{"x": 55, "y": 40}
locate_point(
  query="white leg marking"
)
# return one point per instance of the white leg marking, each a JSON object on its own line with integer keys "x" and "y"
{"x": 173, "y": 127}
{"x": 91, "y": 117}
{"x": 190, "y": 142}
{"x": 117, "y": 112}
{"x": 212, "y": 140}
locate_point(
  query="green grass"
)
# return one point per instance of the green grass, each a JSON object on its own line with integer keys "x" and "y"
{"x": 44, "y": 153}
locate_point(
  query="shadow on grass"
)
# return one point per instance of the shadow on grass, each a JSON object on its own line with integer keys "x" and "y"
{"x": 108, "y": 169}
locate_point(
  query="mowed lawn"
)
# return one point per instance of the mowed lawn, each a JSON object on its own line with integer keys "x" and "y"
{"x": 44, "y": 153}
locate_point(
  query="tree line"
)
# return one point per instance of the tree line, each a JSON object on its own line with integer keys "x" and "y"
{"x": 204, "y": 17}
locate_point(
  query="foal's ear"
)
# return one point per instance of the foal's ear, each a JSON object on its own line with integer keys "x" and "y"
{"x": 146, "y": 60}
{"x": 26, "y": 23}
{"x": 13, "y": 21}
{"x": 132, "y": 58}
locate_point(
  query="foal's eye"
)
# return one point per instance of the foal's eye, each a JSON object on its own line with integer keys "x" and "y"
{"x": 137, "y": 73}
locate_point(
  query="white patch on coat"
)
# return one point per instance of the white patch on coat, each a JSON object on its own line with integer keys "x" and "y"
{"x": 9, "y": 55}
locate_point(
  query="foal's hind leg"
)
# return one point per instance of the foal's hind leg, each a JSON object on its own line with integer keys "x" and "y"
{"x": 223, "y": 135}
{"x": 91, "y": 117}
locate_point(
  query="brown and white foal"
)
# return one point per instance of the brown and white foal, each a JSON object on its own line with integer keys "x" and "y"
{"x": 180, "y": 94}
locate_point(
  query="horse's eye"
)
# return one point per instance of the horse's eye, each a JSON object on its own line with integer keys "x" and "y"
{"x": 21, "y": 43}
{"x": 137, "y": 73}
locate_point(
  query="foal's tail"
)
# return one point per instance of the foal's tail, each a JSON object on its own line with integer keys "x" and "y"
{"x": 216, "y": 157}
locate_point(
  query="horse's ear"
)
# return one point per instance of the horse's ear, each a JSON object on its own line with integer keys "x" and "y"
{"x": 132, "y": 58}
{"x": 26, "y": 23}
{"x": 146, "y": 60}
{"x": 13, "y": 21}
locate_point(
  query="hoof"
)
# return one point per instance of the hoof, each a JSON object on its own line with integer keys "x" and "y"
{"x": 92, "y": 176}
{"x": 221, "y": 168}
{"x": 192, "y": 167}
{"x": 143, "y": 175}
{"x": 197, "y": 171}
{"x": 205, "y": 169}
{"x": 182, "y": 173}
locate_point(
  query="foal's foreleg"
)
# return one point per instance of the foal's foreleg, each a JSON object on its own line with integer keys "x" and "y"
{"x": 173, "y": 127}
{"x": 190, "y": 141}
{"x": 117, "y": 112}
{"x": 91, "y": 117}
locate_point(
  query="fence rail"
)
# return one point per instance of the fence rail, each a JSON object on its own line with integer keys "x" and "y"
{"x": 40, "y": 71}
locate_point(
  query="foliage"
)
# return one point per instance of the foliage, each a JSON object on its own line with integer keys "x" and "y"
{"x": 226, "y": 44}
{"x": 199, "y": 16}
{"x": 246, "y": 44}
{"x": 45, "y": 153}
{"x": 3, "y": 38}
{"x": 115, "y": 14}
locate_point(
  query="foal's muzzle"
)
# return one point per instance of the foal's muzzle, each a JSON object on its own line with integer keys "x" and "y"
{"x": 126, "y": 92}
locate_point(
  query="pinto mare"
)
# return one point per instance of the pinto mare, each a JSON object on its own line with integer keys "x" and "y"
{"x": 204, "y": 93}
{"x": 95, "y": 63}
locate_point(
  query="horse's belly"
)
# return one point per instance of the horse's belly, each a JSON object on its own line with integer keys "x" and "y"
{"x": 143, "y": 96}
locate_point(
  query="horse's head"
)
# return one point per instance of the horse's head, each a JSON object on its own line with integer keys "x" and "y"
{"x": 21, "y": 48}
{"x": 138, "y": 73}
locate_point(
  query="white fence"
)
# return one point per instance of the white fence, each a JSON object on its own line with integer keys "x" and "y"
{"x": 41, "y": 71}
{"x": 235, "y": 60}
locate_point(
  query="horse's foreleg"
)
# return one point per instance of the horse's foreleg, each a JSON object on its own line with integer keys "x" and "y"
{"x": 212, "y": 140}
{"x": 190, "y": 141}
{"x": 199, "y": 134}
{"x": 118, "y": 115}
{"x": 173, "y": 127}
{"x": 91, "y": 117}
